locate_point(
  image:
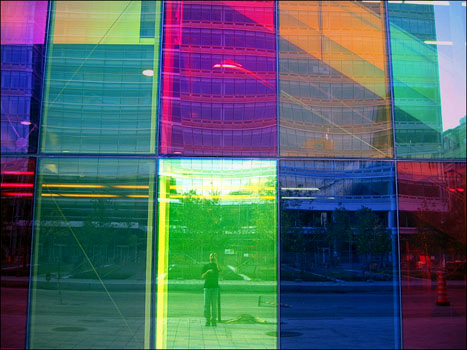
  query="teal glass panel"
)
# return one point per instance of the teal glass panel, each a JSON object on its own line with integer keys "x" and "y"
{"x": 90, "y": 281}
{"x": 428, "y": 66}
{"x": 100, "y": 87}
{"x": 228, "y": 208}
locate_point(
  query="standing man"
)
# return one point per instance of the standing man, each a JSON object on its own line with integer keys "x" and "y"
{"x": 210, "y": 274}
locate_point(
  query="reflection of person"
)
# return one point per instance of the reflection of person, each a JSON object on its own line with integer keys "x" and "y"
{"x": 210, "y": 274}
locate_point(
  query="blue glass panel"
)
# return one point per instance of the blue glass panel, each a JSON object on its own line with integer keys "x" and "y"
{"x": 338, "y": 255}
{"x": 21, "y": 94}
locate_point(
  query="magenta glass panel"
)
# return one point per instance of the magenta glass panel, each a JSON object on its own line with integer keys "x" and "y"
{"x": 219, "y": 78}
{"x": 17, "y": 187}
{"x": 23, "y": 22}
{"x": 432, "y": 217}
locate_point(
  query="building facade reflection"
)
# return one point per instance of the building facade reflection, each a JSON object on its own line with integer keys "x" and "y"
{"x": 23, "y": 43}
{"x": 333, "y": 80}
{"x": 338, "y": 228}
{"x": 433, "y": 239}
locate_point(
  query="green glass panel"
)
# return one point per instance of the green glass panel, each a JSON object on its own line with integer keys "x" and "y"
{"x": 92, "y": 253}
{"x": 428, "y": 66}
{"x": 100, "y": 87}
{"x": 226, "y": 207}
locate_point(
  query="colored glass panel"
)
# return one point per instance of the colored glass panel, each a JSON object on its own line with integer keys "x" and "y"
{"x": 334, "y": 99}
{"x": 23, "y": 22}
{"x": 17, "y": 187}
{"x": 428, "y": 68}
{"x": 339, "y": 276}
{"x": 432, "y": 217}
{"x": 98, "y": 22}
{"x": 227, "y": 207}
{"x": 219, "y": 78}
{"x": 23, "y": 28}
{"x": 91, "y": 280}
{"x": 21, "y": 95}
{"x": 100, "y": 92}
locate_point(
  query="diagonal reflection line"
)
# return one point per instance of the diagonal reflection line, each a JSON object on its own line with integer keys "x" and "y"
{"x": 331, "y": 122}
{"x": 32, "y": 129}
{"x": 92, "y": 265}
{"x": 12, "y": 126}
{"x": 89, "y": 55}
{"x": 330, "y": 95}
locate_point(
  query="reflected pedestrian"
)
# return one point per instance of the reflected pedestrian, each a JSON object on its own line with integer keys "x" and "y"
{"x": 210, "y": 274}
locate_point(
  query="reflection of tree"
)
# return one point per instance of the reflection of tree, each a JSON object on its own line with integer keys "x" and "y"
{"x": 97, "y": 228}
{"x": 438, "y": 234}
{"x": 362, "y": 231}
{"x": 109, "y": 225}
{"x": 339, "y": 232}
{"x": 203, "y": 224}
{"x": 296, "y": 245}
{"x": 373, "y": 240}
{"x": 320, "y": 250}
{"x": 93, "y": 229}
{"x": 197, "y": 223}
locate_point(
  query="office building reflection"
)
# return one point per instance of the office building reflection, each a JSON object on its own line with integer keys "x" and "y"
{"x": 333, "y": 80}
{"x": 338, "y": 228}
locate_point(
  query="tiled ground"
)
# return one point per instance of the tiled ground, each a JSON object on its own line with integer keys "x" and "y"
{"x": 191, "y": 333}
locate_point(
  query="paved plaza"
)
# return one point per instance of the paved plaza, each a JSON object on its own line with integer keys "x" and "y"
{"x": 87, "y": 319}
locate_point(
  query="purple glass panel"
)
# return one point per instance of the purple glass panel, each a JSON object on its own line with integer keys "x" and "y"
{"x": 218, "y": 79}
{"x": 23, "y": 32}
{"x": 23, "y": 22}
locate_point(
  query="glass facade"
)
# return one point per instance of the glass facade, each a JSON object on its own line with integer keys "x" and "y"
{"x": 22, "y": 41}
{"x": 225, "y": 207}
{"x": 101, "y": 90}
{"x": 428, "y": 66}
{"x": 433, "y": 251}
{"x": 254, "y": 174}
{"x": 92, "y": 263}
{"x": 338, "y": 248}
{"x": 333, "y": 80}
{"x": 17, "y": 187}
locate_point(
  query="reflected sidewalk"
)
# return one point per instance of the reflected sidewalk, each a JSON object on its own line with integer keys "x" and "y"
{"x": 190, "y": 333}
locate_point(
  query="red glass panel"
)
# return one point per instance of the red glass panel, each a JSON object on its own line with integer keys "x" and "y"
{"x": 17, "y": 182}
{"x": 433, "y": 240}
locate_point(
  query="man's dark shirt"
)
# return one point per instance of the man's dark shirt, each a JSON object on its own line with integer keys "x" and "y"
{"x": 211, "y": 279}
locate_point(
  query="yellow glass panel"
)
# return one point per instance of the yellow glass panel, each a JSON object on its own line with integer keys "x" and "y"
{"x": 98, "y": 22}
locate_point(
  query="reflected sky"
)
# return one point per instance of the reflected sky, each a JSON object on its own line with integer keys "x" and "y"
{"x": 450, "y": 28}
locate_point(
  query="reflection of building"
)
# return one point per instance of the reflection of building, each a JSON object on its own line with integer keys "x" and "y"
{"x": 417, "y": 103}
{"x": 310, "y": 193}
{"x": 454, "y": 140}
{"x": 334, "y": 98}
{"x": 431, "y": 215}
{"x": 22, "y": 74}
{"x": 431, "y": 194}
